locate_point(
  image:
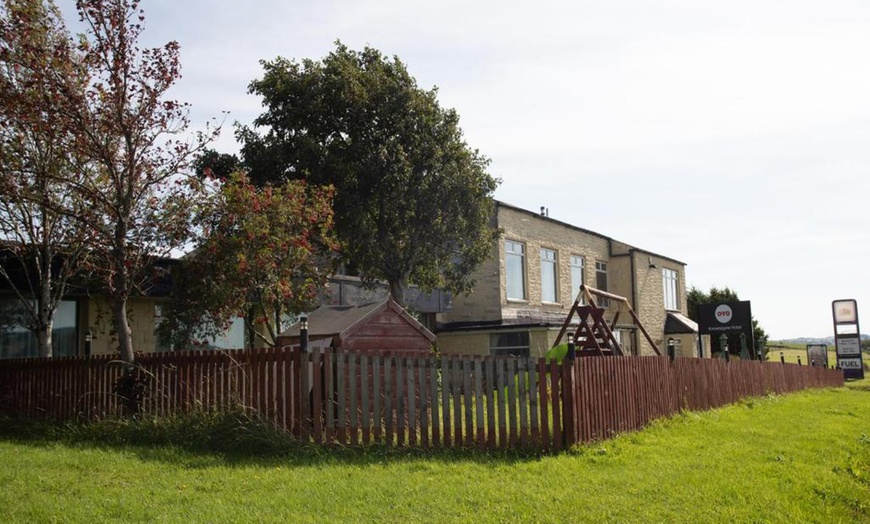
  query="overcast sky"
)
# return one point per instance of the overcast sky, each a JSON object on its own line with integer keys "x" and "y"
{"x": 732, "y": 136}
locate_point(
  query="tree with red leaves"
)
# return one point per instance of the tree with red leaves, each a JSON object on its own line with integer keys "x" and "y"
{"x": 132, "y": 188}
{"x": 266, "y": 253}
{"x": 42, "y": 247}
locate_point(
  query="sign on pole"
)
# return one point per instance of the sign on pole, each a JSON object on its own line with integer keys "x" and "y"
{"x": 847, "y": 335}
{"x": 726, "y": 318}
{"x": 817, "y": 355}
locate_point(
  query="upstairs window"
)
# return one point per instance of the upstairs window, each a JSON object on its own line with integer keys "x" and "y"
{"x": 670, "y": 282}
{"x": 578, "y": 276}
{"x": 601, "y": 282}
{"x": 548, "y": 275}
{"x": 515, "y": 267}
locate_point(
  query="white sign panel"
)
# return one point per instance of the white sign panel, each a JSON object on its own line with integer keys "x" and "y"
{"x": 845, "y": 312}
{"x": 850, "y": 363}
{"x": 848, "y": 346}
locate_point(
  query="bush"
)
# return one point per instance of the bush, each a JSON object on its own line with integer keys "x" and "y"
{"x": 230, "y": 432}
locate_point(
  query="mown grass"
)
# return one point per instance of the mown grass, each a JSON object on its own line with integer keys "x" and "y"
{"x": 799, "y": 458}
{"x": 792, "y": 352}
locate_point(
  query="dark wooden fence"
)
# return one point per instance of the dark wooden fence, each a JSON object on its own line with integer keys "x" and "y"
{"x": 354, "y": 398}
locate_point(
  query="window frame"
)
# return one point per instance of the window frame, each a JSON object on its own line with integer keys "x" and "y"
{"x": 671, "y": 289}
{"x": 601, "y": 269}
{"x": 521, "y": 350}
{"x": 524, "y": 295}
{"x": 575, "y": 288}
{"x": 551, "y": 263}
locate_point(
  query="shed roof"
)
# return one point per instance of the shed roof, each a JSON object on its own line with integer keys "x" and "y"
{"x": 344, "y": 320}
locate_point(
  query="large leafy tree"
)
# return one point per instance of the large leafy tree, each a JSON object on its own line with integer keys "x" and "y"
{"x": 413, "y": 201}
{"x": 43, "y": 247}
{"x": 695, "y": 297}
{"x": 267, "y": 252}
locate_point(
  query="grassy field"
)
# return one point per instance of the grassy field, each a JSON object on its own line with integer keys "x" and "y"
{"x": 798, "y": 458}
{"x": 792, "y": 352}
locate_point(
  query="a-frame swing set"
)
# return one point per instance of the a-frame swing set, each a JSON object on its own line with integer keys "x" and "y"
{"x": 592, "y": 335}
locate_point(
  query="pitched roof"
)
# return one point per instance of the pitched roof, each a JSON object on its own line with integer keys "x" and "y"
{"x": 342, "y": 320}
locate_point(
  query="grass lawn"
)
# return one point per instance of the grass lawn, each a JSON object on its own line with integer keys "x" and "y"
{"x": 792, "y": 352}
{"x": 798, "y": 458}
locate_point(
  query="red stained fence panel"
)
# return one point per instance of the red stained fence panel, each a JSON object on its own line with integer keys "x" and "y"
{"x": 406, "y": 399}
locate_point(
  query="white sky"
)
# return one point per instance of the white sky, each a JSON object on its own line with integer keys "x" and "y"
{"x": 730, "y": 135}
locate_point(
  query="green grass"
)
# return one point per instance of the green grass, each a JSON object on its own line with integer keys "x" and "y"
{"x": 792, "y": 352}
{"x": 799, "y": 458}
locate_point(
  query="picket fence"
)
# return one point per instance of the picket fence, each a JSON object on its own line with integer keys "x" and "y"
{"x": 363, "y": 398}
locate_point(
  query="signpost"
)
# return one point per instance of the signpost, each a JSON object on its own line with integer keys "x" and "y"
{"x": 847, "y": 334}
{"x": 725, "y": 318}
{"x": 817, "y": 354}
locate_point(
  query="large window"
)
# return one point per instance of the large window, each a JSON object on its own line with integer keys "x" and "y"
{"x": 16, "y": 341}
{"x": 670, "y": 281}
{"x": 515, "y": 344}
{"x": 578, "y": 276}
{"x": 601, "y": 282}
{"x": 548, "y": 275}
{"x": 515, "y": 254}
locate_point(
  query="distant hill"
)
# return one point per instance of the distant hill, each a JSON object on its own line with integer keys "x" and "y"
{"x": 810, "y": 340}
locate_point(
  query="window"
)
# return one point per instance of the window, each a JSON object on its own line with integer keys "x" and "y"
{"x": 515, "y": 266}
{"x": 578, "y": 277}
{"x": 601, "y": 281}
{"x": 548, "y": 275}
{"x": 669, "y": 281}
{"x": 514, "y": 344}
{"x": 16, "y": 341}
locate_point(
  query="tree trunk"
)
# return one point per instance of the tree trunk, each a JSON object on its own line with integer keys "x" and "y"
{"x": 43, "y": 337}
{"x": 397, "y": 291}
{"x": 45, "y": 315}
{"x": 122, "y": 327}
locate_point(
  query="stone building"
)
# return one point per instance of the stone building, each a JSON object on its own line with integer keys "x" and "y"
{"x": 526, "y": 289}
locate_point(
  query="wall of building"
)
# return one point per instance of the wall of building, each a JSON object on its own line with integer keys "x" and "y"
{"x": 632, "y": 273}
{"x": 97, "y": 315}
{"x": 537, "y": 233}
{"x": 463, "y": 343}
{"x": 483, "y": 303}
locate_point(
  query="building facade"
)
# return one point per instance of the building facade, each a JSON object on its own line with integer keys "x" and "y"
{"x": 527, "y": 288}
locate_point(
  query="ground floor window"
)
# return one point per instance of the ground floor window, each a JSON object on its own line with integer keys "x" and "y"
{"x": 17, "y": 341}
{"x": 514, "y": 343}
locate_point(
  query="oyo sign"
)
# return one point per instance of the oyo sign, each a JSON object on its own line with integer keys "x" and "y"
{"x": 724, "y": 314}
{"x": 725, "y": 317}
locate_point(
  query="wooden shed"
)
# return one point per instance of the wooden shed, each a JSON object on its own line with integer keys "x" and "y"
{"x": 382, "y": 326}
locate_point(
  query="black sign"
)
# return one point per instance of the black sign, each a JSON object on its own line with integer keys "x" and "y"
{"x": 725, "y": 317}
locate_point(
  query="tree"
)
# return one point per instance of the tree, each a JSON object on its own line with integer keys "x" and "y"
{"x": 43, "y": 248}
{"x": 413, "y": 202}
{"x": 696, "y": 297}
{"x": 267, "y": 253}
{"x": 212, "y": 164}
{"x": 135, "y": 182}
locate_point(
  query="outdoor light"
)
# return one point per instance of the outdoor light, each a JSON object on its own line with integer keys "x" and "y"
{"x": 88, "y": 337}
{"x": 303, "y": 334}
{"x": 571, "y": 349}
